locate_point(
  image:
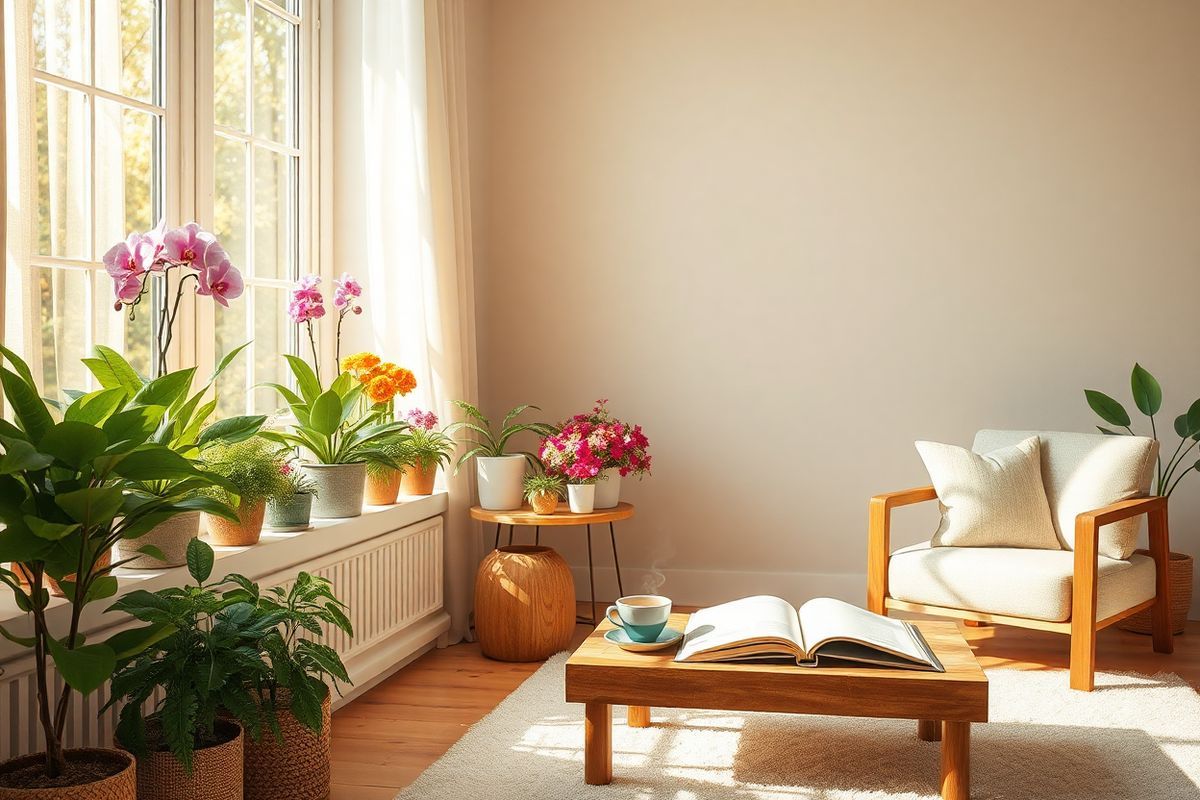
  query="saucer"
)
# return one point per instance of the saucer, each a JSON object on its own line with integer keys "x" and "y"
{"x": 620, "y": 638}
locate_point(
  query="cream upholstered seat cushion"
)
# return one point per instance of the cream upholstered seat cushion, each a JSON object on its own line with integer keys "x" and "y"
{"x": 990, "y": 500}
{"x": 1018, "y": 582}
{"x": 1082, "y": 472}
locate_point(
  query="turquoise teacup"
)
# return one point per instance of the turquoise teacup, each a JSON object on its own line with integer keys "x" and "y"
{"x": 643, "y": 616}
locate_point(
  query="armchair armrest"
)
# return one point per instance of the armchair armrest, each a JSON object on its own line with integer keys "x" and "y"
{"x": 879, "y": 539}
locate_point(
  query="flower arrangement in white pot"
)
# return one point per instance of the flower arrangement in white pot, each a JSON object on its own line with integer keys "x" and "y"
{"x": 599, "y": 448}
{"x": 500, "y": 474}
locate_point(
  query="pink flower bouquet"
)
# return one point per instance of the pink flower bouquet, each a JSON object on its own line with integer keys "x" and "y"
{"x": 588, "y": 444}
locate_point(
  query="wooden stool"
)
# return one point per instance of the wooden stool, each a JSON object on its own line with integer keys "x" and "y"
{"x": 524, "y": 603}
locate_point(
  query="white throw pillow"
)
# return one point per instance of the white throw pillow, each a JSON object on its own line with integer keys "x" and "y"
{"x": 991, "y": 500}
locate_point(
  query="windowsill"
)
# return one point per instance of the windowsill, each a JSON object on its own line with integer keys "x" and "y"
{"x": 276, "y": 552}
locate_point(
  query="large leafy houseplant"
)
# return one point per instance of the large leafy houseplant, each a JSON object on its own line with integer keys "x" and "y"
{"x": 65, "y": 500}
{"x": 1148, "y": 397}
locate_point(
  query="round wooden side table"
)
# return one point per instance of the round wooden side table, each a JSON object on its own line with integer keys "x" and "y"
{"x": 524, "y": 517}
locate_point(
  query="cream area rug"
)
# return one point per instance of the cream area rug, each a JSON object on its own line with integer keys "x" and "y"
{"x": 1135, "y": 736}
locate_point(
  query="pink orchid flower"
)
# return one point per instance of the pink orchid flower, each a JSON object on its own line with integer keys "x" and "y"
{"x": 186, "y": 245}
{"x": 133, "y": 256}
{"x": 127, "y": 288}
{"x": 219, "y": 277}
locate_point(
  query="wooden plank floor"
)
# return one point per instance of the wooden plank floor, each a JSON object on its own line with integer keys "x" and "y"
{"x": 383, "y": 740}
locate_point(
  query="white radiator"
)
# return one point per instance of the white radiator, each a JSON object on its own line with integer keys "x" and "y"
{"x": 391, "y": 583}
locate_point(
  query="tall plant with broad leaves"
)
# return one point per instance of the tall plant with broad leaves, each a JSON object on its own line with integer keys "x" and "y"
{"x": 64, "y": 503}
{"x": 326, "y": 425}
{"x": 210, "y": 661}
{"x": 483, "y": 441}
{"x": 1148, "y": 397}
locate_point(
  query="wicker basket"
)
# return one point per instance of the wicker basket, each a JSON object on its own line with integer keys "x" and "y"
{"x": 121, "y": 786}
{"x": 298, "y": 769}
{"x": 1180, "y": 567}
{"x": 216, "y": 771}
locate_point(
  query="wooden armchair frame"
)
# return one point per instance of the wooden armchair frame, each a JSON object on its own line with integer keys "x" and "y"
{"x": 1083, "y": 625}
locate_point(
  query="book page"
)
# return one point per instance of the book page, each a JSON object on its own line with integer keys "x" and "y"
{"x": 761, "y": 618}
{"x": 825, "y": 619}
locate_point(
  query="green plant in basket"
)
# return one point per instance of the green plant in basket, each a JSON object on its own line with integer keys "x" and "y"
{"x": 483, "y": 441}
{"x": 554, "y": 485}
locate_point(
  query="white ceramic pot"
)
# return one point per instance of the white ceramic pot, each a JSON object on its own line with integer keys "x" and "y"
{"x": 501, "y": 481}
{"x": 339, "y": 489}
{"x": 608, "y": 488}
{"x": 581, "y": 497}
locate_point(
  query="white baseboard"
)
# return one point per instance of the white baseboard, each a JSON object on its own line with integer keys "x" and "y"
{"x": 707, "y": 587}
{"x": 375, "y": 665}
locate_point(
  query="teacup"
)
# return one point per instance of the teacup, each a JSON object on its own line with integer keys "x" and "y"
{"x": 643, "y": 616}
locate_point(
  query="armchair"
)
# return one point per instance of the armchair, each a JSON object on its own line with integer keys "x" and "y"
{"x": 1077, "y": 590}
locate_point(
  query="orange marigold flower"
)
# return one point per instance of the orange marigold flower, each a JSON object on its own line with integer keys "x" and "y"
{"x": 368, "y": 375}
{"x": 359, "y": 361}
{"x": 381, "y": 389}
{"x": 403, "y": 380}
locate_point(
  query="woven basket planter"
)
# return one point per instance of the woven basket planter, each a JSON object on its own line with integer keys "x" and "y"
{"x": 120, "y": 786}
{"x": 243, "y": 533}
{"x": 544, "y": 503}
{"x": 216, "y": 771}
{"x": 417, "y": 481}
{"x": 297, "y": 769}
{"x": 171, "y": 537}
{"x": 1180, "y": 567}
{"x": 382, "y": 487}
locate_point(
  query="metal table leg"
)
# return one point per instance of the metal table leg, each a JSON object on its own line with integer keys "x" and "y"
{"x": 510, "y": 535}
{"x": 613, "y": 536}
{"x": 537, "y": 535}
{"x": 496, "y": 544}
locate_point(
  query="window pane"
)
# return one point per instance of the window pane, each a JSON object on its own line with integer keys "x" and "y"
{"x": 115, "y": 329}
{"x": 62, "y": 335}
{"x": 234, "y": 381}
{"x": 62, "y": 171}
{"x": 60, "y": 38}
{"x": 229, "y": 199}
{"x": 274, "y": 214}
{"x": 271, "y": 338}
{"x": 229, "y": 63}
{"x": 126, "y": 196}
{"x": 126, "y": 41}
{"x": 274, "y": 77}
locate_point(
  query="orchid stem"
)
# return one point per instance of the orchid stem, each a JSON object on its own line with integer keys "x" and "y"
{"x": 316, "y": 361}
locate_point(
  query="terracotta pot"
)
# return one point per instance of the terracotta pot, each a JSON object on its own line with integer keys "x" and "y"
{"x": 171, "y": 537}
{"x": 52, "y": 585}
{"x": 246, "y": 531}
{"x": 122, "y": 785}
{"x": 297, "y": 769}
{"x": 382, "y": 487}
{"x": 417, "y": 480}
{"x": 216, "y": 771}
{"x": 544, "y": 502}
{"x": 524, "y": 603}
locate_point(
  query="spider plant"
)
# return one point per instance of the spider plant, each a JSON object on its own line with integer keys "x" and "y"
{"x": 483, "y": 441}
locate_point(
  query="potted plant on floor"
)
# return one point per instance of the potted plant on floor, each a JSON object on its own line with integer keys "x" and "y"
{"x": 543, "y": 492}
{"x": 424, "y": 450}
{"x": 291, "y": 760}
{"x": 500, "y": 474}
{"x": 620, "y": 447}
{"x": 254, "y": 469}
{"x": 201, "y": 680}
{"x": 1148, "y": 397}
{"x": 64, "y": 501}
{"x": 294, "y": 511}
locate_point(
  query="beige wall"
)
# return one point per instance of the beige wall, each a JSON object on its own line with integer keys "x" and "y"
{"x": 791, "y": 238}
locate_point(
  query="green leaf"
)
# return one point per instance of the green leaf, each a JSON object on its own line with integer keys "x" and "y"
{"x": 26, "y": 405}
{"x": 19, "y": 365}
{"x": 135, "y": 641}
{"x": 306, "y": 379}
{"x": 226, "y": 361}
{"x": 133, "y": 424}
{"x": 85, "y": 669}
{"x": 95, "y": 407}
{"x": 20, "y": 456}
{"x": 233, "y": 429}
{"x": 1193, "y": 418}
{"x": 92, "y": 506}
{"x": 1107, "y": 408}
{"x": 152, "y": 551}
{"x": 102, "y": 588}
{"x": 1181, "y": 426}
{"x": 50, "y": 531}
{"x": 166, "y": 390}
{"x": 155, "y": 463}
{"x": 21, "y": 641}
{"x": 144, "y": 605}
{"x": 1147, "y": 394}
{"x": 306, "y": 705}
{"x": 116, "y": 371}
{"x": 326, "y": 413}
{"x": 290, "y": 397}
{"x": 74, "y": 443}
{"x": 200, "y": 558}
{"x": 342, "y": 384}
{"x": 213, "y": 508}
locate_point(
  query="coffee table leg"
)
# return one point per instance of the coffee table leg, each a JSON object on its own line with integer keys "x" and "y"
{"x": 597, "y": 743}
{"x": 638, "y": 717}
{"x": 956, "y": 760}
{"x": 929, "y": 730}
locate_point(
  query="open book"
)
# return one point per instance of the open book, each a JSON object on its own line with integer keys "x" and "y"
{"x": 765, "y": 627}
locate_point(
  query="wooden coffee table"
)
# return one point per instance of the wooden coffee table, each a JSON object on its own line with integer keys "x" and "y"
{"x": 601, "y": 675}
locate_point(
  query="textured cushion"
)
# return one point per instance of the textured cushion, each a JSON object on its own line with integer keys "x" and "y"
{"x": 992, "y": 500}
{"x": 1085, "y": 471}
{"x": 1034, "y": 584}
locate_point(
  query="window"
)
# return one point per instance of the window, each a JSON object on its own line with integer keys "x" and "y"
{"x": 115, "y": 138}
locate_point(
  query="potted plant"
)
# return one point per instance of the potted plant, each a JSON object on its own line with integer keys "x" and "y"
{"x": 543, "y": 492}
{"x": 500, "y": 475}
{"x": 384, "y": 478}
{"x": 254, "y": 469}
{"x": 201, "y": 680}
{"x": 1148, "y": 397}
{"x": 423, "y": 451}
{"x": 183, "y": 428}
{"x": 339, "y": 444}
{"x": 292, "y": 512}
{"x": 382, "y": 382}
{"x": 65, "y": 499}
{"x": 291, "y": 760}
{"x": 620, "y": 447}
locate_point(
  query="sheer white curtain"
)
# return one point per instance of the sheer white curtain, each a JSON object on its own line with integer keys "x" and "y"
{"x": 416, "y": 227}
